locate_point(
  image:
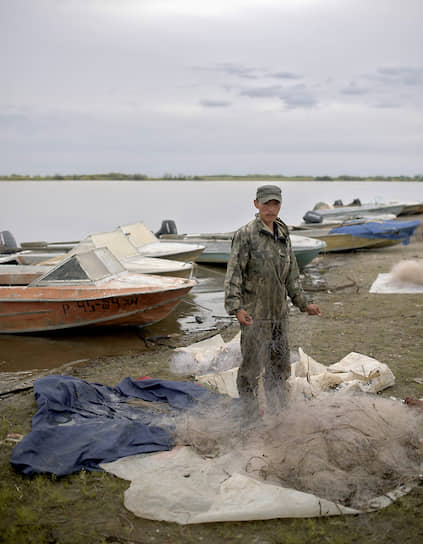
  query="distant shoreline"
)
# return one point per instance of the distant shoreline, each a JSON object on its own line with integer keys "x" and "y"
{"x": 116, "y": 176}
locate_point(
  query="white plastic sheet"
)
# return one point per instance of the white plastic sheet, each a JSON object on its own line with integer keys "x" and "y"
{"x": 354, "y": 372}
{"x": 309, "y": 378}
{"x": 387, "y": 283}
{"x": 210, "y": 355}
{"x": 183, "y": 487}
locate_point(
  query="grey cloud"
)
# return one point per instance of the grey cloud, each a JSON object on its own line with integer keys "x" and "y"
{"x": 232, "y": 69}
{"x": 400, "y": 75}
{"x": 9, "y": 119}
{"x": 238, "y": 70}
{"x": 354, "y": 89}
{"x": 395, "y": 71}
{"x": 400, "y": 71}
{"x": 285, "y": 75}
{"x": 215, "y": 103}
{"x": 388, "y": 105}
{"x": 299, "y": 100}
{"x": 250, "y": 72}
{"x": 404, "y": 75}
{"x": 297, "y": 96}
{"x": 263, "y": 92}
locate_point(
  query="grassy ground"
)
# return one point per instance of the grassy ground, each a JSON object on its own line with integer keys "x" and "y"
{"x": 87, "y": 507}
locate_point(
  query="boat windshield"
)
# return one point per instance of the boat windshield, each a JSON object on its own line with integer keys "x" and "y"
{"x": 87, "y": 268}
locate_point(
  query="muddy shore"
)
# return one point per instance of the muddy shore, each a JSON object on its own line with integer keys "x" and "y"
{"x": 388, "y": 327}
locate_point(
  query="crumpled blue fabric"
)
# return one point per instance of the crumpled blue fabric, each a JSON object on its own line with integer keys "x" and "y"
{"x": 79, "y": 425}
{"x": 388, "y": 230}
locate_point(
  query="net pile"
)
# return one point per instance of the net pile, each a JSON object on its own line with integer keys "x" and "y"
{"x": 341, "y": 447}
{"x": 408, "y": 271}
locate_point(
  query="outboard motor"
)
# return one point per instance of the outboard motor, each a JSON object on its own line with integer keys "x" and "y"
{"x": 8, "y": 243}
{"x": 168, "y": 226}
{"x": 312, "y": 217}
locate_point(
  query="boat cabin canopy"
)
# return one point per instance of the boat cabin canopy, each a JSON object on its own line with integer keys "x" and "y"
{"x": 85, "y": 268}
{"x": 139, "y": 234}
{"x": 119, "y": 244}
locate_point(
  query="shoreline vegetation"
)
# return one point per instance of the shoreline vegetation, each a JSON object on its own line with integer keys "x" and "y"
{"x": 118, "y": 176}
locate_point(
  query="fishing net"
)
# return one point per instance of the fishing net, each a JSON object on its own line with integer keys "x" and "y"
{"x": 347, "y": 448}
{"x": 408, "y": 271}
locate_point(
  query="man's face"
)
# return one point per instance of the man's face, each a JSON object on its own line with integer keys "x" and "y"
{"x": 268, "y": 211}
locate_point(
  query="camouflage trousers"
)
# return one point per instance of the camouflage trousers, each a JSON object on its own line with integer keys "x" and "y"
{"x": 265, "y": 353}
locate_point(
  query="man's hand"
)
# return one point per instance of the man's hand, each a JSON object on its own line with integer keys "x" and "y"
{"x": 313, "y": 309}
{"x": 244, "y": 318}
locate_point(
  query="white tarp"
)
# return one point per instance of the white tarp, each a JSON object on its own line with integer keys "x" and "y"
{"x": 224, "y": 382}
{"x": 210, "y": 355}
{"x": 388, "y": 283}
{"x": 354, "y": 372}
{"x": 183, "y": 487}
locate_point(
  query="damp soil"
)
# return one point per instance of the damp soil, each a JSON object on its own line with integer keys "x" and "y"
{"x": 88, "y": 507}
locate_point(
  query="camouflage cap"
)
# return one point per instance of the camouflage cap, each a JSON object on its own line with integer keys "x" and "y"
{"x": 268, "y": 192}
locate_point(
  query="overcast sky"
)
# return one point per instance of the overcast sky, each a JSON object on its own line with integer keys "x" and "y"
{"x": 211, "y": 86}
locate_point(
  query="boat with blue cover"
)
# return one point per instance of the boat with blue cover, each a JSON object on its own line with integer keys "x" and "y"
{"x": 364, "y": 235}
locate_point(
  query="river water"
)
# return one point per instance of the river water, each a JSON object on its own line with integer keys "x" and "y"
{"x": 58, "y": 210}
{"x": 62, "y": 211}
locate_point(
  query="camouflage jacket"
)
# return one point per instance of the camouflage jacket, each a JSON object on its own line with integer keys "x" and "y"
{"x": 262, "y": 270}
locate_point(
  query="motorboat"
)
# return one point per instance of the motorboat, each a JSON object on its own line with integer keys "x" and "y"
{"x": 118, "y": 244}
{"x": 148, "y": 245}
{"x": 364, "y": 235}
{"x": 218, "y": 247}
{"x": 89, "y": 289}
{"x": 122, "y": 248}
{"x": 363, "y": 211}
{"x": 306, "y": 249}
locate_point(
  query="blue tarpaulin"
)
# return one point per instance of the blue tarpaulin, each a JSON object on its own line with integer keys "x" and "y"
{"x": 388, "y": 230}
{"x": 79, "y": 425}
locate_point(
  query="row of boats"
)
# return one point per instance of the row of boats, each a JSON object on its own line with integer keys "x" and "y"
{"x": 127, "y": 276}
{"x": 142, "y": 251}
{"x": 325, "y": 229}
{"x": 323, "y": 212}
{"x": 103, "y": 280}
{"x": 130, "y": 276}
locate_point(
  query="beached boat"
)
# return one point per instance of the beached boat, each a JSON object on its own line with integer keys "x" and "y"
{"x": 122, "y": 249}
{"x": 306, "y": 248}
{"x": 364, "y": 235}
{"x": 37, "y": 256}
{"x": 148, "y": 245}
{"x": 9, "y": 258}
{"x": 144, "y": 244}
{"x": 86, "y": 290}
{"x": 341, "y": 213}
{"x": 139, "y": 265}
{"x": 32, "y": 252}
{"x": 411, "y": 208}
{"x": 218, "y": 247}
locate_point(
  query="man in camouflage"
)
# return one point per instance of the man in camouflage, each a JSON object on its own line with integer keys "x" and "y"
{"x": 262, "y": 271}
